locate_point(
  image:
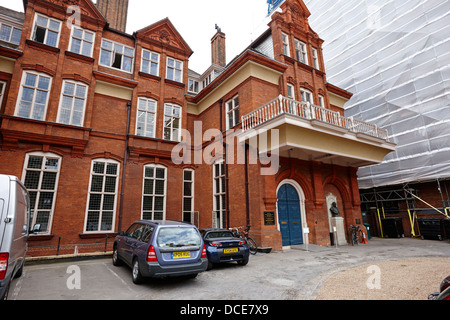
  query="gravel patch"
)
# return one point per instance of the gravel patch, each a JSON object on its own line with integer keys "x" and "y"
{"x": 408, "y": 279}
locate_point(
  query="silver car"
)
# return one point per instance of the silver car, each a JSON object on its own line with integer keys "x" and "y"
{"x": 14, "y": 217}
{"x": 160, "y": 248}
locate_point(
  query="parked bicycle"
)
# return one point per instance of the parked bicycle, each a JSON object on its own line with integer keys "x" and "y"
{"x": 354, "y": 230}
{"x": 242, "y": 233}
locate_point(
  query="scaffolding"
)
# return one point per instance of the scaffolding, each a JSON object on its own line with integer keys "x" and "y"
{"x": 386, "y": 200}
{"x": 393, "y": 55}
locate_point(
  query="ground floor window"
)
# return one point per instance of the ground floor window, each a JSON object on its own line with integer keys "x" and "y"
{"x": 219, "y": 209}
{"x": 154, "y": 192}
{"x": 40, "y": 177}
{"x": 188, "y": 196}
{"x": 102, "y": 196}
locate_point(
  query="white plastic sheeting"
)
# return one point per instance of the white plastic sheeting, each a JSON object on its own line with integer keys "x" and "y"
{"x": 394, "y": 55}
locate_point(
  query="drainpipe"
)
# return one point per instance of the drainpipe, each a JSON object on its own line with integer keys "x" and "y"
{"x": 247, "y": 198}
{"x": 125, "y": 160}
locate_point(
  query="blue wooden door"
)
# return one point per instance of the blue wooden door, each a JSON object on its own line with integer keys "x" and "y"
{"x": 289, "y": 216}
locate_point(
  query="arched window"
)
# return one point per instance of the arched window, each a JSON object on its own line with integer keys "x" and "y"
{"x": 40, "y": 176}
{"x": 102, "y": 196}
{"x": 154, "y": 192}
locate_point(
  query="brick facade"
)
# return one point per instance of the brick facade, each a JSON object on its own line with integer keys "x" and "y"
{"x": 113, "y": 97}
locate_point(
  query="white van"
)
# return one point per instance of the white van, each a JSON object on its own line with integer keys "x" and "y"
{"x": 14, "y": 219}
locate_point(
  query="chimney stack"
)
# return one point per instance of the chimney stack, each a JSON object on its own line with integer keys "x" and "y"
{"x": 218, "y": 52}
{"x": 115, "y": 12}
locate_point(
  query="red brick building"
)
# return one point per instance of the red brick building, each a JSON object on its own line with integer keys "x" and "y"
{"x": 91, "y": 116}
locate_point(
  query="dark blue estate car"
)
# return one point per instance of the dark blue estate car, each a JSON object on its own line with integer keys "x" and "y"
{"x": 223, "y": 246}
{"x": 160, "y": 249}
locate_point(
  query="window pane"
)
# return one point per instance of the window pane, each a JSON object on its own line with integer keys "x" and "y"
{"x": 52, "y": 38}
{"x": 76, "y": 45}
{"x": 32, "y": 179}
{"x": 147, "y": 203}
{"x": 105, "y": 57}
{"x": 17, "y": 33}
{"x": 99, "y": 167}
{"x": 111, "y": 168}
{"x": 5, "y": 32}
{"x": 107, "y": 218}
{"x": 95, "y": 201}
{"x": 35, "y": 162}
{"x": 97, "y": 184}
{"x": 110, "y": 184}
{"x": 45, "y": 200}
{"x": 87, "y": 49}
{"x": 48, "y": 181}
{"x": 30, "y": 80}
{"x": 159, "y": 187}
{"x": 148, "y": 186}
{"x": 51, "y": 164}
{"x": 160, "y": 173}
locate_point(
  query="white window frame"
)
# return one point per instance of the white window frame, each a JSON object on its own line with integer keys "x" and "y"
{"x": 112, "y": 51}
{"x": 147, "y": 115}
{"x": 174, "y": 70}
{"x": 231, "y": 106}
{"x": 286, "y": 47}
{"x": 321, "y": 101}
{"x": 151, "y": 62}
{"x": 103, "y": 193}
{"x": 40, "y": 190}
{"x": 83, "y": 40}
{"x": 35, "y": 88}
{"x": 74, "y": 98}
{"x": 11, "y": 32}
{"x": 189, "y": 211}
{"x": 315, "y": 56}
{"x": 153, "y": 194}
{"x": 219, "y": 195}
{"x": 301, "y": 51}
{"x": 291, "y": 91}
{"x": 304, "y": 98}
{"x": 47, "y": 27}
{"x": 2, "y": 91}
{"x": 172, "y": 117}
{"x": 193, "y": 86}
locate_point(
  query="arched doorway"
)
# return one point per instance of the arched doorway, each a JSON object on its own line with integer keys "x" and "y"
{"x": 289, "y": 215}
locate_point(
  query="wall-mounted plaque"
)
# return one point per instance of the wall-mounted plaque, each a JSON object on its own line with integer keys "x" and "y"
{"x": 269, "y": 218}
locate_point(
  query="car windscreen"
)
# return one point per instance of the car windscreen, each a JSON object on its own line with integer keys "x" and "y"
{"x": 178, "y": 237}
{"x": 219, "y": 234}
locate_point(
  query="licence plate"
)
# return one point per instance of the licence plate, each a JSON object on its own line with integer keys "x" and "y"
{"x": 231, "y": 250}
{"x": 181, "y": 255}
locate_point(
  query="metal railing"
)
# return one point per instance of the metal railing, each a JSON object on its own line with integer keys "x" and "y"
{"x": 308, "y": 111}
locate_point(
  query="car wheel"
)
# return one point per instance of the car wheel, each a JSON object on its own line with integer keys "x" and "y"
{"x": 115, "y": 258}
{"x": 136, "y": 273}
{"x": 20, "y": 271}
{"x": 5, "y": 294}
{"x": 210, "y": 265}
{"x": 243, "y": 262}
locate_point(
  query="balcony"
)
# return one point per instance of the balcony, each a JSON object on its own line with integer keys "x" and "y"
{"x": 313, "y": 133}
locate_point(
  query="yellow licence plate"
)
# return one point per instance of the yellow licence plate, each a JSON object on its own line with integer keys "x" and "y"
{"x": 181, "y": 255}
{"x": 231, "y": 250}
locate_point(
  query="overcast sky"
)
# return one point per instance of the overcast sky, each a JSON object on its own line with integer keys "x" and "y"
{"x": 241, "y": 20}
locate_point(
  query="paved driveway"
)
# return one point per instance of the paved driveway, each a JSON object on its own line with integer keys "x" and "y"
{"x": 293, "y": 274}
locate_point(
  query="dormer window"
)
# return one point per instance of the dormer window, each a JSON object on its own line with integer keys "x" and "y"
{"x": 9, "y": 33}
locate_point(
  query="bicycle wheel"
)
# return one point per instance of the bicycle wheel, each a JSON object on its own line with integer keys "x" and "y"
{"x": 252, "y": 245}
